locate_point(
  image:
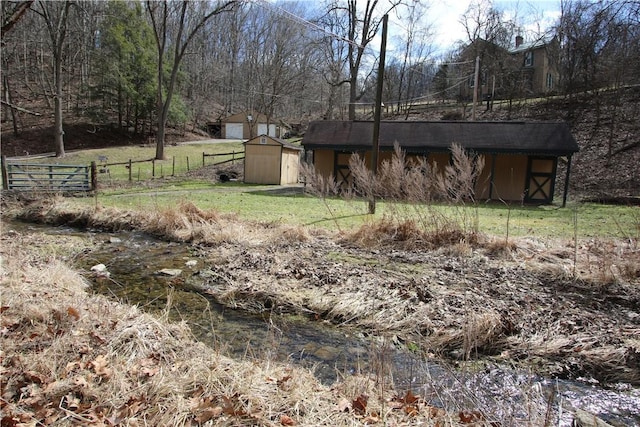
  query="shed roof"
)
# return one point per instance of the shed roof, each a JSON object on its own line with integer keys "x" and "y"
{"x": 550, "y": 138}
{"x": 285, "y": 144}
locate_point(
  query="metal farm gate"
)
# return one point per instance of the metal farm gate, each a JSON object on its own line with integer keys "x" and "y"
{"x": 43, "y": 177}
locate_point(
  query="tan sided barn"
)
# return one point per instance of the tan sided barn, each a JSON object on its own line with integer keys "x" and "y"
{"x": 246, "y": 125}
{"x": 521, "y": 158}
{"x": 269, "y": 160}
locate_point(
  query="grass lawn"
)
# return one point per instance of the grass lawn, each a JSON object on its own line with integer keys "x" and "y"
{"x": 271, "y": 204}
{"x": 291, "y": 206}
{"x": 178, "y": 159}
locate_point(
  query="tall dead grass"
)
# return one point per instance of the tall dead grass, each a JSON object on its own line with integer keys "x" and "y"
{"x": 411, "y": 189}
{"x": 184, "y": 222}
{"x": 70, "y": 358}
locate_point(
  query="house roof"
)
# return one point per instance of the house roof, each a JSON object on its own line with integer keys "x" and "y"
{"x": 535, "y": 44}
{"x": 543, "y": 138}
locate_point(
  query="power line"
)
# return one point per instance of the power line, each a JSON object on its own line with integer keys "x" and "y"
{"x": 300, "y": 20}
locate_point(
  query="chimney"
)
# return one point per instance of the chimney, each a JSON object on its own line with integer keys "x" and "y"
{"x": 519, "y": 40}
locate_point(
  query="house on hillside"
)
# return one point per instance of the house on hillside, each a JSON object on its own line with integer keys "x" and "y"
{"x": 246, "y": 125}
{"x": 270, "y": 160}
{"x": 521, "y": 158}
{"x": 528, "y": 69}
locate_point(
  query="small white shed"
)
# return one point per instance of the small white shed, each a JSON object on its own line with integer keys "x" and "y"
{"x": 270, "y": 160}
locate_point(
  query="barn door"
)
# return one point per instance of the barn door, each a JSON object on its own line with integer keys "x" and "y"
{"x": 234, "y": 131}
{"x": 541, "y": 178}
{"x": 341, "y": 168}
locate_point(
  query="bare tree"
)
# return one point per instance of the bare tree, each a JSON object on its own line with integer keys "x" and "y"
{"x": 175, "y": 24}
{"x": 10, "y": 16}
{"x": 362, "y": 27}
{"x": 411, "y": 72}
{"x": 281, "y": 57}
{"x": 597, "y": 39}
{"x": 334, "y": 58}
{"x": 55, "y": 16}
{"x": 489, "y": 38}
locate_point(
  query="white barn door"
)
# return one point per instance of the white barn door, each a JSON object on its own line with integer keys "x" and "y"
{"x": 262, "y": 129}
{"x": 234, "y": 131}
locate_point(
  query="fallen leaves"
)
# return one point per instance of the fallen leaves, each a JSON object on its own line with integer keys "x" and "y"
{"x": 359, "y": 405}
{"x": 73, "y": 312}
{"x": 101, "y": 366}
{"x": 286, "y": 420}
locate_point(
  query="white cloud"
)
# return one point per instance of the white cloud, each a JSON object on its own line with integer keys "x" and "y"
{"x": 445, "y": 17}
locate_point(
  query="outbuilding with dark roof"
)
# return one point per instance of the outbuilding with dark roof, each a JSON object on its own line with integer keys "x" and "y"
{"x": 521, "y": 158}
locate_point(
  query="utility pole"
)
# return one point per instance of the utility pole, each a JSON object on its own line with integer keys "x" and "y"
{"x": 476, "y": 81}
{"x": 378, "y": 111}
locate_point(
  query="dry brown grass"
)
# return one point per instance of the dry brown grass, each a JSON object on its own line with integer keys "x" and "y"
{"x": 480, "y": 332}
{"x": 183, "y": 223}
{"x": 409, "y": 187}
{"x": 448, "y": 303}
{"x": 71, "y": 358}
{"x": 408, "y": 234}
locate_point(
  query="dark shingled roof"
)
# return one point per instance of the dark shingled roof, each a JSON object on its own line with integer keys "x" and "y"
{"x": 542, "y": 138}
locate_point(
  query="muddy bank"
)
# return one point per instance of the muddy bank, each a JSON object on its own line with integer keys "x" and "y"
{"x": 461, "y": 303}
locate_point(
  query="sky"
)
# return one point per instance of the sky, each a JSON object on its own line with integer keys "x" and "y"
{"x": 535, "y": 16}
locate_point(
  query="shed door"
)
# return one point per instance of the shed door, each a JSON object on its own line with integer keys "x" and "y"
{"x": 234, "y": 131}
{"x": 541, "y": 178}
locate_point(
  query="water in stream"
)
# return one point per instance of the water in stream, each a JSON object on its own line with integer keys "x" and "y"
{"x": 134, "y": 260}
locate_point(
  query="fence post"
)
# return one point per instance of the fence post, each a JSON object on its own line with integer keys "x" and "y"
{"x": 94, "y": 176}
{"x": 233, "y": 157}
{"x": 203, "y": 159}
{"x": 153, "y": 168}
{"x": 173, "y": 167}
{"x": 188, "y": 164}
{"x": 5, "y": 175}
{"x": 130, "y": 170}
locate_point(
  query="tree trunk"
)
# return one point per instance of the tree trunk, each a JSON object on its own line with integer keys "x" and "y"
{"x": 8, "y": 106}
{"x": 58, "y": 131}
{"x": 353, "y": 93}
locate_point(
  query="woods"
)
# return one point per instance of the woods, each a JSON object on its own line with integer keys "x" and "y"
{"x": 141, "y": 67}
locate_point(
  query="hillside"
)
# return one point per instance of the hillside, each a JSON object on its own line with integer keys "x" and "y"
{"x": 607, "y": 130}
{"x": 605, "y": 125}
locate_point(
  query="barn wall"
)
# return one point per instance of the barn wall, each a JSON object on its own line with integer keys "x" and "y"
{"x": 509, "y": 177}
{"x": 262, "y": 164}
{"x": 258, "y": 125}
{"x": 323, "y": 162}
{"x": 510, "y": 171}
{"x": 483, "y": 182}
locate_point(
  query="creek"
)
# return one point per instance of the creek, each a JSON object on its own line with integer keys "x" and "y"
{"x": 166, "y": 278}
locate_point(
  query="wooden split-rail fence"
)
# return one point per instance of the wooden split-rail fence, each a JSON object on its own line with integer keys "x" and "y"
{"x": 77, "y": 178}
{"x": 48, "y": 177}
